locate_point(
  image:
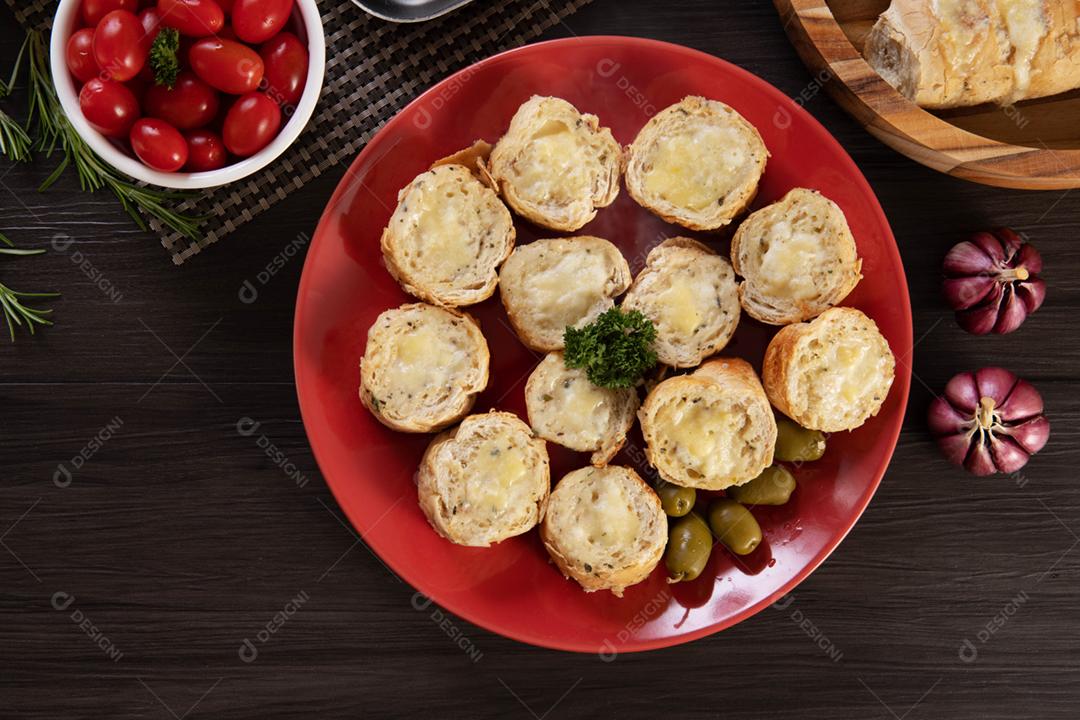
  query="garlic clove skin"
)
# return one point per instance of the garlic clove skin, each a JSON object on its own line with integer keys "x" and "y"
{"x": 995, "y": 383}
{"x": 1032, "y": 435}
{"x": 1023, "y": 402}
{"x": 962, "y": 394}
{"x": 969, "y": 290}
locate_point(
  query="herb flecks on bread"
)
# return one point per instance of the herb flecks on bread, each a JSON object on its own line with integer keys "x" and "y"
{"x": 555, "y": 166}
{"x": 832, "y": 373}
{"x": 604, "y": 528}
{"x": 485, "y": 480}
{"x": 797, "y": 257}
{"x": 696, "y": 163}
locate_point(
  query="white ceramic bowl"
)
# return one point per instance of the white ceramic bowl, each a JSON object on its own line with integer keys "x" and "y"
{"x": 65, "y": 24}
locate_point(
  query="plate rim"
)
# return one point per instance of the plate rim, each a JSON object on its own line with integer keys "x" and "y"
{"x": 902, "y": 383}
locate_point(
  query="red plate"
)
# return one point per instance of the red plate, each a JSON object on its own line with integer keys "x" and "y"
{"x": 512, "y": 589}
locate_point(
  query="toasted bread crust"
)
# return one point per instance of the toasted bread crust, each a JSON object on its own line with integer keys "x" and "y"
{"x": 566, "y": 196}
{"x": 447, "y": 472}
{"x": 551, "y": 283}
{"x": 622, "y": 565}
{"x": 547, "y": 394}
{"x": 381, "y": 391}
{"x": 789, "y": 354}
{"x": 735, "y": 185}
{"x": 684, "y": 271}
{"x": 720, "y": 387}
{"x": 461, "y": 267}
{"x": 813, "y": 284}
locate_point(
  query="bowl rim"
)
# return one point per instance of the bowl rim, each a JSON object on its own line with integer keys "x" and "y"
{"x": 911, "y": 130}
{"x": 63, "y": 27}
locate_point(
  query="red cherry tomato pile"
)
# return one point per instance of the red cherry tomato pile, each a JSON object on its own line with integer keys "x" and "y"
{"x": 237, "y": 71}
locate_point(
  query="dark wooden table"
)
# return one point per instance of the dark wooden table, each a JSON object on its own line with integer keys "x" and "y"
{"x": 178, "y": 538}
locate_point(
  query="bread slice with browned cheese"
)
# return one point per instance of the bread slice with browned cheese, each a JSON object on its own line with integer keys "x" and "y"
{"x": 797, "y": 258}
{"x": 422, "y": 367}
{"x": 604, "y": 528}
{"x": 696, "y": 163}
{"x": 710, "y": 429}
{"x": 566, "y": 408}
{"x": 555, "y": 166}
{"x": 689, "y": 294}
{"x": 485, "y": 480}
{"x": 832, "y": 373}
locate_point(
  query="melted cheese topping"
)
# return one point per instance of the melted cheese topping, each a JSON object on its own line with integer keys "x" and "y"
{"x": 962, "y": 24}
{"x": 496, "y": 478}
{"x": 704, "y": 437}
{"x": 787, "y": 266}
{"x": 854, "y": 371}
{"x": 683, "y": 304}
{"x": 1027, "y": 27}
{"x": 552, "y": 167}
{"x": 444, "y": 238}
{"x": 569, "y": 290}
{"x": 610, "y": 520}
{"x": 425, "y": 357}
{"x": 583, "y": 409}
{"x": 694, "y": 168}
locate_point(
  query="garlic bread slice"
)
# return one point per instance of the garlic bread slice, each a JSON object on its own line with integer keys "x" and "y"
{"x": 604, "y": 528}
{"x": 832, "y": 373}
{"x": 797, "y": 258}
{"x": 711, "y": 429}
{"x": 422, "y": 367}
{"x": 555, "y": 166}
{"x": 689, "y": 294}
{"x": 696, "y": 163}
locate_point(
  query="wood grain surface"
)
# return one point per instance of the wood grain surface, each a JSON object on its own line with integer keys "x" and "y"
{"x": 180, "y": 538}
{"x": 1032, "y": 145}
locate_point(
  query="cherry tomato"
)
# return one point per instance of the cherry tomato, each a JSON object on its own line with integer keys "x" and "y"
{"x": 118, "y": 45}
{"x": 80, "y": 55}
{"x": 93, "y": 10}
{"x": 158, "y": 144}
{"x": 251, "y": 123}
{"x": 226, "y": 65}
{"x": 195, "y": 18}
{"x": 108, "y": 106}
{"x": 286, "y": 61}
{"x": 206, "y": 151}
{"x": 226, "y": 6}
{"x": 257, "y": 21}
{"x": 190, "y": 104}
{"x": 150, "y": 19}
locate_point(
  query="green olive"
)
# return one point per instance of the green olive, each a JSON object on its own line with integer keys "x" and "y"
{"x": 735, "y": 526}
{"x": 794, "y": 443}
{"x": 772, "y": 487}
{"x": 677, "y": 501}
{"x": 688, "y": 548}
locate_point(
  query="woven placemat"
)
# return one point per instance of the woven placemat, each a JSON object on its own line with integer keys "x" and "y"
{"x": 374, "y": 68}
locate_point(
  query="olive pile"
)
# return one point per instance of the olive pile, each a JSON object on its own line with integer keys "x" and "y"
{"x": 691, "y": 538}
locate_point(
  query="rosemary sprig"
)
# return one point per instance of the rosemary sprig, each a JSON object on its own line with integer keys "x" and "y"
{"x": 53, "y": 130}
{"x": 14, "y": 141}
{"x": 15, "y": 312}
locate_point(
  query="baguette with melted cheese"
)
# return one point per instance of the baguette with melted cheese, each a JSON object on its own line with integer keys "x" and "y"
{"x": 954, "y": 53}
{"x": 447, "y": 237}
{"x": 422, "y": 367}
{"x": 604, "y": 528}
{"x": 696, "y": 163}
{"x": 797, "y": 257}
{"x": 689, "y": 293}
{"x": 485, "y": 480}
{"x": 548, "y": 285}
{"x": 555, "y": 166}
{"x": 832, "y": 373}
{"x": 566, "y": 409}
{"x": 711, "y": 429}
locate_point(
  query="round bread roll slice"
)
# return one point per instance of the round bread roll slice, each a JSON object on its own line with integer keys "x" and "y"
{"x": 447, "y": 237}
{"x": 604, "y": 528}
{"x": 485, "y": 480}
{"x": 566, "y": 409}
{"x": 711, "y": 429}
{"x": 556, "y": 166}
{"x": 548, "y": 285}
{"x": 689, "y": 293}
{"x": 696, "y": 163}
{"x": 423, "y": 367}
{"x": 797, "y": 257}
{"x": 831, "y": 373}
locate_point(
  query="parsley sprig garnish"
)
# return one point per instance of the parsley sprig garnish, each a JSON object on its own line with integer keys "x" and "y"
{"x": 163, "y": 59}
{"x": 615, "y": 350}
